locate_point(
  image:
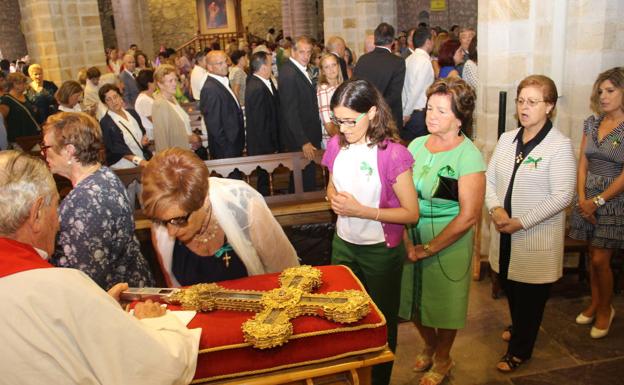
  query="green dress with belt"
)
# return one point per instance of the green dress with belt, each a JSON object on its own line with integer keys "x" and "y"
{"x": 434, "y": 290}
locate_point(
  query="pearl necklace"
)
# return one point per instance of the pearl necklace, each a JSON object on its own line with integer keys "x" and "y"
{"x": 205, "y": 229}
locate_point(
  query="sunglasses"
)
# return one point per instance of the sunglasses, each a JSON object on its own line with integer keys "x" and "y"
{"x": 176, "y": 221}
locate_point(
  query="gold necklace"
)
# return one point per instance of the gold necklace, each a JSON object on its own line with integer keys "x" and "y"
{"x": 204, "y": 229}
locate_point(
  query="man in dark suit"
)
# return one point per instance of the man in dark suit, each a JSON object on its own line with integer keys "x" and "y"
{"x": 131, "y": 89}
{"x": 385, "y": 70}
{"x": 299, "y": 106}
{"x": 222, "y": 114}
{"x": 262, "y": 110}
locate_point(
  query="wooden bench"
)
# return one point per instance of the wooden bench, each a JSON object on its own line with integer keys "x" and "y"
{"x": 289, "y": 208}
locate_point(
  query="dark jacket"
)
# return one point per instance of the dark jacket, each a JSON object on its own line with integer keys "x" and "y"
{"x": 262, "y": 110}
{"x": 299, "y": 106}
{"x": 387, "y": 72}
{"x": 224, "y": 120}
{"x": 131, "y": 89}
{"x": 114, "y": 143}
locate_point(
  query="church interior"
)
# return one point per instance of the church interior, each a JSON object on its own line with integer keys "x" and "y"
{"x": 571, "y": 42}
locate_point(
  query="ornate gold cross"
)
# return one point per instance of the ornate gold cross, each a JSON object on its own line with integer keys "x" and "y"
{"x": 271, "y": 326}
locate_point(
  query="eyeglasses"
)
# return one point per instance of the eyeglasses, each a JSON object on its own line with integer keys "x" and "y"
{"x": 531, "y": 102}
{"x": 346, "y": 123}
{"x": 176, "y": 221}
{"x": 44, "y": 149}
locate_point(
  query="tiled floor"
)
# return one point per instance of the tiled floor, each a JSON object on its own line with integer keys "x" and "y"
{"x": 564, "y": 352}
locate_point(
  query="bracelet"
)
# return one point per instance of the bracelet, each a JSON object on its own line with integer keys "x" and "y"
{"x": 377, "y": 216}
{"x": 136, "y": 160}
{"x": 491, "y": 211}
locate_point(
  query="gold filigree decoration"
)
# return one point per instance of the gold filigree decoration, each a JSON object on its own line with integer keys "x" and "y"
{"x": 274, "y": 309}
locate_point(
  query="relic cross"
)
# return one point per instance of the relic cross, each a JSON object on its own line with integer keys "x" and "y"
{"x": 275, "y": 308}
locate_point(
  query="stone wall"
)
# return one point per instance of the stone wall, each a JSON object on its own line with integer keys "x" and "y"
{"x": 133, "y": 25}
{"x": 12, "y": 42}
{"x": 63, "y": 36}
{"x": 354, "y": 19}
{"x": 174, "y": 22}
{"x": 260, "y": 15}
{"x": 300, "y": 17}
{"x": 107, "y": 22}
{"x": 460, "y": 12}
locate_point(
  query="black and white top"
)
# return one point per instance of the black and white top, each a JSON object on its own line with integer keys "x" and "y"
{"x": 97, "y": 233}
{"x": 605, "y": 162}
{"x": 543, "y": 186}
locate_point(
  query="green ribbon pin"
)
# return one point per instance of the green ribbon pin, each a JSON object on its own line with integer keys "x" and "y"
{"x": 530, "y": 160}
{"x": 368, "y": 170}
{"x": 224, "y": 249}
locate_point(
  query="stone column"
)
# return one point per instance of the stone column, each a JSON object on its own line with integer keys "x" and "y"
{"x": 12, "y": 43}
{"x": 569, "y": 41}
{"x": 63, "y": 36}
{"x": 354, "y": 19}
{"x": 133, "y": 25}
{"x": 299, "y": 17}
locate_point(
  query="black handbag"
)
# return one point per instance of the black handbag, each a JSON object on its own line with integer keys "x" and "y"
{"x": 447, "y": 187}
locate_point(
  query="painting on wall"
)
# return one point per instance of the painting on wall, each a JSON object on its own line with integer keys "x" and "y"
{"x": 216, "y": 16}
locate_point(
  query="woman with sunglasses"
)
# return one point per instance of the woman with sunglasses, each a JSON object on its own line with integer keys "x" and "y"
{"x": 449, "y": 177}
{"x": 530, "y": 182}
{"x": 96, "y": 224}
{"x": 370, "y": 189}
{"x": 209, "y": 229}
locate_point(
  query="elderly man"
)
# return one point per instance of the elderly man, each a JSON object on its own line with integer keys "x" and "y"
{"x": 58, "y": 326}
{"x": 221, "y": 111}
{"x": 131, "y": 89}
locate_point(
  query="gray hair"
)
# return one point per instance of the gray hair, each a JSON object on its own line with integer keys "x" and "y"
{"x": 23, "y": 179}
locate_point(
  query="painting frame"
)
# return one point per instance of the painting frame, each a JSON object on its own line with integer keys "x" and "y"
{"x": 216, "y": 16}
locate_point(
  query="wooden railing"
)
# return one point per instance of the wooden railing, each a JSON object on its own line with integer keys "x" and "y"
{"x": 201, "y": 41}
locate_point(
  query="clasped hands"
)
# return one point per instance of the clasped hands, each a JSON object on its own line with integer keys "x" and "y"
{"x": 345, "y": 204}
{"x": 147, "y": 309}
{"x": 503, "y": 223}
{"x": 587, "y": 209}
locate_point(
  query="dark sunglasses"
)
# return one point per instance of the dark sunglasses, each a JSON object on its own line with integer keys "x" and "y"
{"x": 176, "y": 221}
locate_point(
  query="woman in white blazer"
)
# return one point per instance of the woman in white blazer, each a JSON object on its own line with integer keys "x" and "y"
{"x": 530, "y": 181}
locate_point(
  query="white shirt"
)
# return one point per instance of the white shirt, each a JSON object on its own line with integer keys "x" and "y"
{"x": 130, "y": 130}
{"x": 59, "y": 327}
{"x": 67, "y": 109}
{"x": 418, "y": 77}
{"x": 267, "y": 82}
{"x": 183, "y": 115}
{"x": 301, "y": 68}
{"x": 355, "y": 171}
{"x": 91, "y": 97}
{"x": 143, "y": 107}
{"x": 226, "y": 83}
{"x": 198, "y": 78}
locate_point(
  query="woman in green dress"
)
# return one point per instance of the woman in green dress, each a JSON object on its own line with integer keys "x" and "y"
{"x": 449, "y": 176}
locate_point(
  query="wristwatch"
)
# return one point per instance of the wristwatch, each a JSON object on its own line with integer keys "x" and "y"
{"x": 427, "y": 249}
{"x": 599, "y": 201}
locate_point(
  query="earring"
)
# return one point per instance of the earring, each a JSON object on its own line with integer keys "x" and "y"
{"x": 69, "y": 162}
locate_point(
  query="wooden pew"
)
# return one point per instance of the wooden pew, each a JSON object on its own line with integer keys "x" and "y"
{"x": 289, "y": 209}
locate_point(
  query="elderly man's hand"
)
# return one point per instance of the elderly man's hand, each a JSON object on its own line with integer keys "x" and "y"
{"x": 149, "y": 309}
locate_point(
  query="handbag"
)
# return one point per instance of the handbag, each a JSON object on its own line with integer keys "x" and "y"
{"x": 147, "y": 154}
{"x": 448, "y": 188}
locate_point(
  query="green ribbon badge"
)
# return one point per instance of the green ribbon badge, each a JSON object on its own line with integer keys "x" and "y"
{"x": 530, "y": 160}
{"x": 368, "y": 170}
{"x": 223, "y": 250}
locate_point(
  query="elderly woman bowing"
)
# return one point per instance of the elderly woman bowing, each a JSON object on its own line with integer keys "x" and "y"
{"x": 530, "y": 182}
{"x": 97, "y": 227}
{"x": 209, "y": 229}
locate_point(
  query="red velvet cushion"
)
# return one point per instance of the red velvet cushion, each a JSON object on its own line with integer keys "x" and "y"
{"x": 223, "y": 352}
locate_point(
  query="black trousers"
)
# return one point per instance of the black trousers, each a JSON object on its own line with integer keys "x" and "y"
{"x": 415, "y": 126}
{"x": 526, "y": 305}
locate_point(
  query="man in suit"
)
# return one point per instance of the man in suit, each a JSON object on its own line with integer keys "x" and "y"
{"x": 336, "y": 46}
{"x": 299, "y": 106}
{"x": 220, "y": 109}
{"x": 262, "y": 110}
{"x": 131, "y": 89}
{"x": 385, "y": 70}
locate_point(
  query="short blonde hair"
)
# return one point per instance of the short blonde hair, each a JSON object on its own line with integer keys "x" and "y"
{"x": 174, "y": 176}
{"x": 23, "y": 179}
{"x": 80, "y": 130}
{"x": 162, "y": 71}
{"x": 32, "y": 68}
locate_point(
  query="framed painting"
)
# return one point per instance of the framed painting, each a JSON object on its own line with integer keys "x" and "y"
{"x": 216, "y": 16}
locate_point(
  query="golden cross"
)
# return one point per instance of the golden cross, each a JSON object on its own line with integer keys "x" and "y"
{"x": 271, "y": 326}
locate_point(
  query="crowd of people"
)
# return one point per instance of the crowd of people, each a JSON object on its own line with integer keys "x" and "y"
{"x": 405, "y": 180}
